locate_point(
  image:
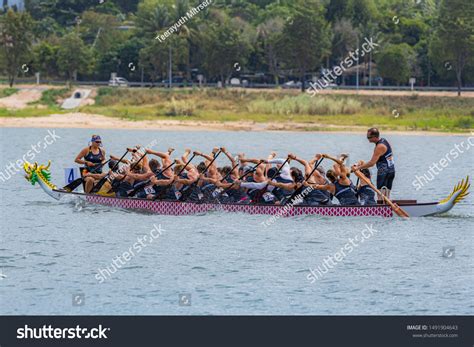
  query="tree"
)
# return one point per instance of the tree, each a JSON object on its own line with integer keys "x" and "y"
{"x": 15, "y": 42}
{"x": 395, "y": 63}
{"x": 154, "y": 59}
{"x": 336, "y": 10}
{"x": 74, "y": 56}
{"x": 455, "y": 36}
{"x": 270, "y": 32}
{"x": 225, "y": 43}
{"x": 100, "y": 31}
{"x": 127, "y": 5}
{"x": 344, "y": 39}
{"x": 362, "y": 12}
{"x": 306, "y": 39}
{"x": 46, "y": 58}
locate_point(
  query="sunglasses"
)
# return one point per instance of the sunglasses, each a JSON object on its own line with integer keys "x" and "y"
{"x": 98, "y": 141}
{"x": 370, "y": 137}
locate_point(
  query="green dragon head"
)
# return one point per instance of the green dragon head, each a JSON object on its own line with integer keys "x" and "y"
{"x": 35, "y": 172}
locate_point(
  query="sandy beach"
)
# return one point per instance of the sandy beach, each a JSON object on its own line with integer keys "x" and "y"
{"x": 96, "y": 121}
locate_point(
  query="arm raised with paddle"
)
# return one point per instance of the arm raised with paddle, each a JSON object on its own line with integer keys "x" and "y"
{"x": 397, "y": 209}
{"x": 191, "y": 187}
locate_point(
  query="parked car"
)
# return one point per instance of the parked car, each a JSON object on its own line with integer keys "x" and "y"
{"x": 118, "y": 82}
{"x": 292, "y": 84}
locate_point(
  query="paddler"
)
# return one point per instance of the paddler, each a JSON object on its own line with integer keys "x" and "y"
{"x": 341, "y": 186}
{"x": 383, "y": 159}
{"x": 105, "y": 190}
{"x": 92, "y": 157}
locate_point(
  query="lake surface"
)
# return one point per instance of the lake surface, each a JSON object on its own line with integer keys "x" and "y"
{"x": 219, "y": 263}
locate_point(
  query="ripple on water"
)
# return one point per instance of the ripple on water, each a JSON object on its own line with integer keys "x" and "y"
{"x": 199, "y": 268}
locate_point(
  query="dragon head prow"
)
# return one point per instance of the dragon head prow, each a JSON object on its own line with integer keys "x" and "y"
{"x": 35, "y": 172}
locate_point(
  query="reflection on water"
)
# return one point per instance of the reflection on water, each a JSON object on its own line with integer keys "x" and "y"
{"x": 230, "y": 263}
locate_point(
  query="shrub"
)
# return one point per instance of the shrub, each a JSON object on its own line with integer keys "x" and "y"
{"x": 304, "y": 104}
{"x": 179, "y": 108}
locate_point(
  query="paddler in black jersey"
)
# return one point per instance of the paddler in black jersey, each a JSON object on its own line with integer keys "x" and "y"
{"x": 383, "y": 159}
{"x": 92, "y": 157}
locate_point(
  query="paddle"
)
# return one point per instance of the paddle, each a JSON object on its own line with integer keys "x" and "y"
{"x": 300, "y": 189}
{"x": 101, "y": 182}
{"x": 116, "y": 184}
{"x": 165, "y": 188}
{"x": 263, "y": 190}
{"x": 148, "y": 181}
{"x": 184, "y": 198}
{"x": 230, "y": 172}
{"x": 397, "y": 209}
{"x": 241, "y": 177}
{"x": 78, "y": 181}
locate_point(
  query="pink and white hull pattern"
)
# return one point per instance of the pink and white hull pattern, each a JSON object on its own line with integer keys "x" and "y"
{"x": 36, "y": 173}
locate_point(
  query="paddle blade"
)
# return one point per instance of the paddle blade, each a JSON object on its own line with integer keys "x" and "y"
{"x": 99, "y": 185}
{"x": 399, "y": 211}
{"x": 73, "y": 185}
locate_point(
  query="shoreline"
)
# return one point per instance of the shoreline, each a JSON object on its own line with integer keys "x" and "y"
{"x": 78, "y": 120}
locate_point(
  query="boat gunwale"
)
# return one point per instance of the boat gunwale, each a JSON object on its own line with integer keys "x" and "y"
{"x": 234, "y": 203}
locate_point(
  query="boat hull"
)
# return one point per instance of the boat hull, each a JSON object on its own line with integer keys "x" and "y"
{"x": 40, "y": 173}
{"x": 177, "y": 208}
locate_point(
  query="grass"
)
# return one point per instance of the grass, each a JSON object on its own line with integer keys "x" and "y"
{"x": 50, "y": 97}
{"x": 414, "y": 112}
{"x": 46, "y": 105}
{"x": 4, "y": 92}
{"x": 431, "y": 113}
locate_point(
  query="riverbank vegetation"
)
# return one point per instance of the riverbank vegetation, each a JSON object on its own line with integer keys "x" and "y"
{"x": 278, "y": 107}
{"x": 4, "y": 92}
{"x": 395, "y": 112}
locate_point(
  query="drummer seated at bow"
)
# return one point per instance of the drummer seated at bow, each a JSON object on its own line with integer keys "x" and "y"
{"x": 93, "y": 158}
{"x": 341, "y": 186}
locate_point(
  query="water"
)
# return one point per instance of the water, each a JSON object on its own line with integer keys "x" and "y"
{"x": 230, "y": 263}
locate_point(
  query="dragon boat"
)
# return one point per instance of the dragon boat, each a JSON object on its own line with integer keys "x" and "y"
{"x": 41, "y": 174}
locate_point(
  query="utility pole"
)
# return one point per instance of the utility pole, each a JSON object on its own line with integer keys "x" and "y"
{"x": 357, "y": 66}
{"x": 170, "y": 71}
{"x": 370, "y": 69}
